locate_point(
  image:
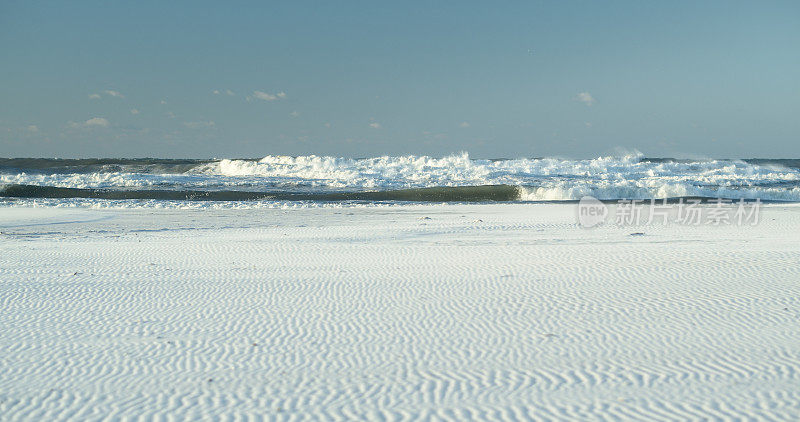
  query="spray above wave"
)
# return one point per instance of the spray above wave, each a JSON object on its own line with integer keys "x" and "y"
{"x": 626, "y": 177}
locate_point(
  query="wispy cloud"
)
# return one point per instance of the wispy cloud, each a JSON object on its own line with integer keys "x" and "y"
{"x": 134, "y": 111}
{"x": 464, "y": 124}
{"x": 97, "y": 121}
{"x": 226, "y": 92}
{"x": 265, "y": 96}
{"x": 586, "y": 98}
{"x": 434, "y": 136}
{"x": 294, "y": 114}
{"x": 108, "y": 92}
{"x": 32, "y": 128}
{"x": 112, "y": 93}
{"x": 199, "y": 125}
{"x": 91, "y": 123}
{"x": 375, "y": 125}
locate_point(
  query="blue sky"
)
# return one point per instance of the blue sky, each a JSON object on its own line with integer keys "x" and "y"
{"x": 508, "y": 79}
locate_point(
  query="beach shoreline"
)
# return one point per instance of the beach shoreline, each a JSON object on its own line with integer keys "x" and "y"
{"x": 490, "y": 311}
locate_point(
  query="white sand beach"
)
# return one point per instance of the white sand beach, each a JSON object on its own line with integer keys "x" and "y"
{"x": 453, "y": 312}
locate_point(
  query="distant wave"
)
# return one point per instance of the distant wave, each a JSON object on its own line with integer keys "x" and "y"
{"x": 401, "y": 178}
{"x": 99, "y": 165}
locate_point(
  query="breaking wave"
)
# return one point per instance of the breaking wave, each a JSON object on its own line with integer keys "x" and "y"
{"x": 454, "y": 178}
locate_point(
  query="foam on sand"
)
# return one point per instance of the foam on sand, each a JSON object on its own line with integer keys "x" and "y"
{"x": 503, "y": 312}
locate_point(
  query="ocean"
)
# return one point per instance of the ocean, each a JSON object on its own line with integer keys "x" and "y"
{"x": 322, "y": 180}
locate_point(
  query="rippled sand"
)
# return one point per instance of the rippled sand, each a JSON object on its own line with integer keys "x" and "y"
{"x": 503, "y": 312}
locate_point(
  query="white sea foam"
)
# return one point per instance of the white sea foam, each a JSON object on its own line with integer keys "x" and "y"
{"x": 102, "y": 204}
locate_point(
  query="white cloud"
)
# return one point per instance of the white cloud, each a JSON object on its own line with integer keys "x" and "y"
{"x": 294, "y": 113}
{"x": 170, "y": 114}
{"x": 586, "y": 98}
{"x": 464, "y": 124}
{"x": 199, "y": 125}
{"x": 226, "y": 92}
{"x": 375, "y": 125}
{"x": 33, "y": 128}
{"x": 163, "y": 101}
{"x": 134, "y": 111}
{"x": 96, "y": 121}
{"x": 261, "y": 95}
{"x": 229, "y": 92}
{"x": 215, "y": 92}
{"x": 264, "y": 96}
{"x": 327, "y": 124}
{"x": 109, "y": 92}
{"x": 113, "y": 93}
{"x": 91, "y": 123}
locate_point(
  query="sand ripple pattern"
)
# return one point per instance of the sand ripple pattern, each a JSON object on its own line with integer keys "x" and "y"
{"x": 492, "y": 312}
